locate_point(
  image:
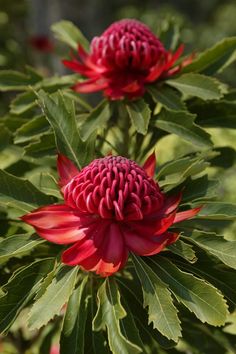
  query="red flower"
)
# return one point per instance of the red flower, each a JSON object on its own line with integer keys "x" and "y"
{"x": 125, "y": 58}
{"x": 112, "y": 207}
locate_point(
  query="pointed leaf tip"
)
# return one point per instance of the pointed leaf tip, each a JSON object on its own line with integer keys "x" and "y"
{"x": 150, "y": 165}
{"x": 66, "y": 170}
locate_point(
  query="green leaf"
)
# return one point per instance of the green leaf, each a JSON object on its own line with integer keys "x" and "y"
{"x": 161, "y": 310}
{"x": 182, "y": 124}
{"x": 95, "y": 120}
{"x": 215, "y": 245}
{"x": 197, "y": 85}
{"x": 56, "y": 295}
{"x": 31, "y": 129}
{"x": 43, "y": 146}
{"x": 140, "y": 115}
{"x": 5, "y": 137}
{"x": 168, "y": 97}
{"x": 13, "y": 80}
{"x": 109, "y": 313}
{"x": 200, "y": 189}
{"x": 218, "y": 211}
{"x": 17, "y": 245}
{"x": 20, "y": 194}
{"x": 183, "y": 250}
{"x": 23, "y": 103}
{"x": 199, "y": 297}
{"x": 72, "y": 336}
{"x": 20, "y": 289}
{"x": 68, "y": 33}
{"x": 215, "y": 114}
{"x": 215, "y": 59}
{"x": 60, "y": 112}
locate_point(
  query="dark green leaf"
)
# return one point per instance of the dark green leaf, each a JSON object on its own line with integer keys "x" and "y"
{"x": 20, "y": 289}
{"x": 56, "y": 295}
{"x": 157, "y": 297}
{"x": 198, "y": 296}
{"x": 43, "y": 146}
{"x": 109, "y": 313}
{"x": 23, "y": 102}
{"x": 183, "y": 250}
{"x": 215, "y": 245}
{"x": 197, "y": 85}
{"x": 60, "y": 113}
{"x": 13, "y": 80}
{"x": 31, "y": 129}
{"x": 95, "y": 120}
{"x": 218, "y": 211}
{"x": 182, "y": 124}
{"x": 5, "y": 137}
{"x": 20, "y": 194}
{"x": 14, "y": 246}
{"x": 68, "y": 33}
{"x": 200, "y": 189}
{"x": 168, "y": 97}
{"x": 72, "y": 336}
{"x": 214, "y": 59}
{"x": 140, "y": 115}
{"x": 215, "y": 114}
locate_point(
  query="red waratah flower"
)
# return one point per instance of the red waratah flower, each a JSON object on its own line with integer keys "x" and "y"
{"x": 41, "y": 43}
{"x": 112, "y": 207}
{"x": 125, "y": 58}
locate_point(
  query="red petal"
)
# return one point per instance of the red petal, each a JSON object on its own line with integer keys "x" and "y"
{"x": 150, "y": 165}
{"x": 147, "y": 247}
{"x": 89, "y": 86}
{"x": 184, "y": 215}
{"x": 174, "y": 57}
{"x": 171, "y": 203}
{"x": 60, "y": 224}
{"x": 66, "y": 170}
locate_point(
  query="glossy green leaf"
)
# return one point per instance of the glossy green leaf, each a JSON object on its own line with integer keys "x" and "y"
{"x": 68, "y": 33}
{"x": 197, "y": 85}
{"x": 20, "y": 194}
{"x": 17, "y": 245}
{"x": 72, "y": 336}
{"x": 60, "y": 113}
{"x": 52, "y": 301}
{"x": 31, "y": 129}
{"x": 157, "y": 298}
{"x": 215, "y": 245}
{"x": 43, "y": 146}
{"x": 183, "y": 250}
{"x": 215, "y": 114}
{"x": 95, "y": 120}
{"x": 20, "y": 289}
{"x": 214, "y": 59}
{"x": 167, "y": 96}
{"x": 218, "y": 211}
{"x": 201, "y": 188}
{"x": 140, "y": 115}
{"x": 23, "y": 103}
{"x": 5, "y": 137}
{"x": 109, "y": 313}
{"x": 13, "y": 80}
{"x": 199, "y": 297}
{"x": 182, "y": 124}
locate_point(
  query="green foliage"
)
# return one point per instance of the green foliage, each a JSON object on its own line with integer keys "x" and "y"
{"x": 156, "y": 304}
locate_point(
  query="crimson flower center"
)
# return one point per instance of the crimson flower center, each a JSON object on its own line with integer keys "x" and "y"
{"x": 125, "y": 45}
{"x": 114, "y": 188}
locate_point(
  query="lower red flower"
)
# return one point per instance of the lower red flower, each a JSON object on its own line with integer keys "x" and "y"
{"x": 112, "y": 207}
{"x": 125, "y": 58}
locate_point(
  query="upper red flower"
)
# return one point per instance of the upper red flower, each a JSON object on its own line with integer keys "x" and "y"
{"x": 112, "y": 206}
{"x": 123, "y": 59}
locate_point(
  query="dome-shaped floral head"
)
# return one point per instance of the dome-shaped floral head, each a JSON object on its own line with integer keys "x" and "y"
{"x": 111, "y": 207}
{"x": 121, "y": 61}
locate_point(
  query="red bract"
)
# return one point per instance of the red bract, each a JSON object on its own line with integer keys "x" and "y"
{"x": 112, "y": 207}
{"x": 125, "y": 58}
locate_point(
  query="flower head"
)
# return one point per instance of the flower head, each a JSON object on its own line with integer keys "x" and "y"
{"x": 125, "y": 58}
{"x": 111, "y": 207}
